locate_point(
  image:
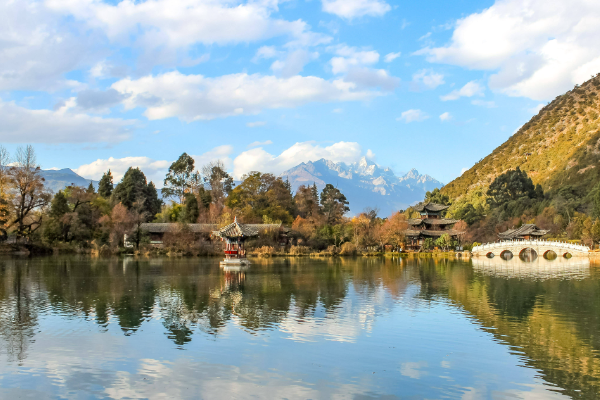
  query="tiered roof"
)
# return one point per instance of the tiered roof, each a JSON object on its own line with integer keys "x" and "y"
{"x": 524, "y": 230}
{"x": 432, "y": 207}
{"x": 236, "y": 229}
{"x": 430, "y": 233}
{"x": 431, "y": 221}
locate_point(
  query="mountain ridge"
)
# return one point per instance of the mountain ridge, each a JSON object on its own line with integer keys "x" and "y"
{"x": 559, "y": 148}
{"x": 359, "y": 181}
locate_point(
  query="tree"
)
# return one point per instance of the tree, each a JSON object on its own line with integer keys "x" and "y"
{"x": 444, "y": 241}
{"x": 181, "y": 178}
{"x": 191, "y": 209}
{"x": 261, "y": 195}
{"x": 512, "y": 185}
{"x": 307, "y": 201}
{"x": 219, "y": 182}
{"x": 4, "y": 193}
{"x": 334, "y": 203}
{"x": 134, "y": 189}
{"x": 393, "y": 229}
{"x": 105, "y": 186}
{"x": 55, "y": 228}
{"x": 91, "y": 189}
{"x": 436, "y": 196}
{"x": 30, "y": 195}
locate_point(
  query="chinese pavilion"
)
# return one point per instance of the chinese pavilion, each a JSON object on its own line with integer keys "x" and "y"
{"x": 430, "y": 225}
{"x": 524, "y": 232}
{"x": 235, "y": 234}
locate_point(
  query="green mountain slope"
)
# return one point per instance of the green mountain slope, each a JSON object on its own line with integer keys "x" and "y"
{"x": 559, "y": 148}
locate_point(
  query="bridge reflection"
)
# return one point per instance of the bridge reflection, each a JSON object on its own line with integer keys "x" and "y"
{"x": 540, "y": 268}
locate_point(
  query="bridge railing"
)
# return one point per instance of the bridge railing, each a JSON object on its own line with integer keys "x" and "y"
{"x": 530, "y": 243}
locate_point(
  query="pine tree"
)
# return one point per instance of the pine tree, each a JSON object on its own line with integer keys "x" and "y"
{"x": 91, "y": 189}
{"x": 105, "y": 186}
{"x": 191, "y": 209}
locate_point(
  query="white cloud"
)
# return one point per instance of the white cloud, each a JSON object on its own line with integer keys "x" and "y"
{"x": 469, "y": 90}
{"x": 265, "y": 52}
{"x": 36, "y": 49}
{"x": 118, "y": 167}
{"x": 370, "y": 155}
{"x": 445, "y": 117}
{"x": 22, "y": 125}
{"x": 163, "y": 26}
{"x": 195, "y": 97}
{"x": 367, "y": 77}
{"x": 294, "y": 63}
{"x": 337, "y": 110}
{"x": 155, "y": 170}
{"x": 255, "y": 144}
{"x": 483, "y": 103}
{"x": 255, "y": 124}
{"x": 428, "y": 79}
{"x": 352, "y": 57}
{"x": 413, "y": 116}
{"x": 350, "y": 9}
{"x": 540, "y": 48}
{"x": 462, "y": 171}
{"x": 258, "y": 159}
{"x": 391, "y": 57}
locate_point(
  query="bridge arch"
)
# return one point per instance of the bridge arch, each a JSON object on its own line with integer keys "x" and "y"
{"x": 490, "y": 255}
{"x": 528, "y": 254}
{"x": 567, "y": 255}
{"x": 506, "y": 255}
{"x": 550, "y": 255}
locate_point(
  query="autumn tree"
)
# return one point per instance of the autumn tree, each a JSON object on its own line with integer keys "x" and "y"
{"x": 219, "y": 182}
{"x": 30, "y": 195}
{"x": 393, "y": 230}
{"x": 307, "y": 201}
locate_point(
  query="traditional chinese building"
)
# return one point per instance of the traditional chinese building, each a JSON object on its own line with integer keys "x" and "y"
{"x": 524, "y": 232}
{"x": 430, "y": 225}
{"x": 235, "y": 234}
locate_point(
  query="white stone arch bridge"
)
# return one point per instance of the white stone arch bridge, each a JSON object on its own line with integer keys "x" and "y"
{"x": 541, "y": 247}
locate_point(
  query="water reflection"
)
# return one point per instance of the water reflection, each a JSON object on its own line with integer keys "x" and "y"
{"x": 283, "y": 322}
{"x": 539, "y": 268}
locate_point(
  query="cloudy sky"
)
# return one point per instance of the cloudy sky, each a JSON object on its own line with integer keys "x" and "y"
{"x": 266, "y": 84}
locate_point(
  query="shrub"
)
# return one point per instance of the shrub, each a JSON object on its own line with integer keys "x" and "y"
{"x": 265, "y": 251}
{"x": 348, "y": 249}
{"x": 299, "y": 250}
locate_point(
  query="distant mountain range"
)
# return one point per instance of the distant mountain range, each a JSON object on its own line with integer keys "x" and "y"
{"x": 365, "y": 184}
{"x": 58, "y": 179}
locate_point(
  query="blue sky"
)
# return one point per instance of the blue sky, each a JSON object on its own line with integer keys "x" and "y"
{"x": 267, "y": 84}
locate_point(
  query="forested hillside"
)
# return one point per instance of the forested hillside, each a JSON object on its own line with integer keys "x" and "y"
{"x": 547, "y": 173}
{"x": 558, "y": 147}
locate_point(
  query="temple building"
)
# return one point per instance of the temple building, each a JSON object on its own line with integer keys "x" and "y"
{"x": 430, "y": 225}
{"x": 524, "y": 232}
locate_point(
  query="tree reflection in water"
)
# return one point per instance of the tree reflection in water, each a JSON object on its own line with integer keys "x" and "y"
{"x": 551, "y": 319}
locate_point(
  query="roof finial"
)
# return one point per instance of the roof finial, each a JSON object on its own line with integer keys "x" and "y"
{"x": 235, "y": 219}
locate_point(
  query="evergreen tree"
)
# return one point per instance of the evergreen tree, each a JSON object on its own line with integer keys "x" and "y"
{"x": 436, "y": 196}
{"x": 91, "y": 189}
{"x": 132, "y": 187}
{"x": 105, "y": 186}
{"x": 191, "y": 209}
{"x": 152, "y": 204}
{"x": 511, "y": 185}
{"x": 334, "y": 203}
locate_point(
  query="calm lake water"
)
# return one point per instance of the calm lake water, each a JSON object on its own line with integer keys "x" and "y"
{"x": 82, "y": 328}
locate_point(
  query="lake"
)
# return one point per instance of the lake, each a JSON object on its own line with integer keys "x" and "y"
{"x": 87, "y": 328}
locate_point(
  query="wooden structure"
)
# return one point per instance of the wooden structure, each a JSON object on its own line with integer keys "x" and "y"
{"x": 430, "y": 225}
{"x": 235, "y": 234}
{"x": 524, "y": 232}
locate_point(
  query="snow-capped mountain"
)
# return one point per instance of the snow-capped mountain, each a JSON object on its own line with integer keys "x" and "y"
{"x": 364, "y": 184}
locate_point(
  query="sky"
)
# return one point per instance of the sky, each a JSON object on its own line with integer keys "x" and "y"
{"x": 267, "y": 84}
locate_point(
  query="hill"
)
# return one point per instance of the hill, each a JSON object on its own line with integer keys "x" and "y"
{"x": 58, "y": 179}
{"x": 559, "y": 148}
{"x": 364, "y": 184}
